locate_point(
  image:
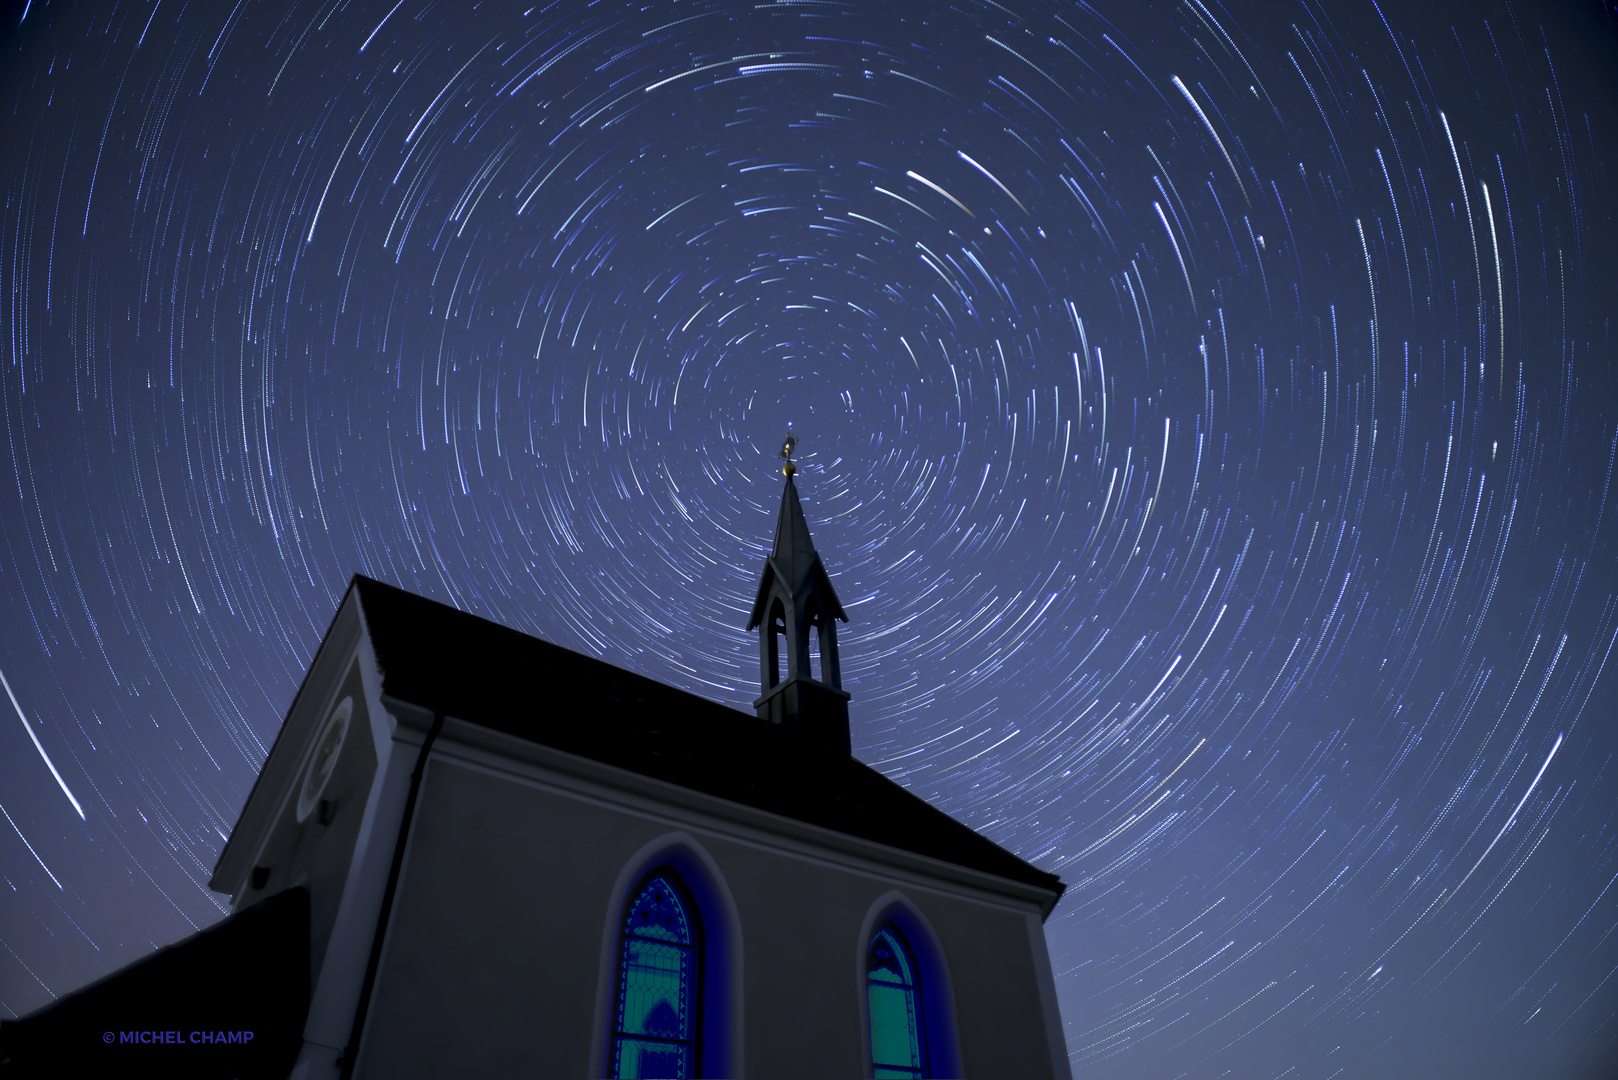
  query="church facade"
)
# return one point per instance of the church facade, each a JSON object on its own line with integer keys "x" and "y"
{"x": 521, "y": 861}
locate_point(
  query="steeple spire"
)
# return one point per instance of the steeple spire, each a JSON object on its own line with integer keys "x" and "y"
{"x": 795, "y": 613}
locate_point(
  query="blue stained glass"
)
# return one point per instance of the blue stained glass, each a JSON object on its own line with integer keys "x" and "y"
{"x": 658, "y": 913}
{"x": 894, "y": 1001}
{"x": 655, "y": 1029}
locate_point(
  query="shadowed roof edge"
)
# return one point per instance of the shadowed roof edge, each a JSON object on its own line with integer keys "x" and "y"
{"x": 449, "y": 661}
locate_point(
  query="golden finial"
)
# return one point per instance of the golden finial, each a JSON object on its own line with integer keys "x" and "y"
{"x": 786, "y": 452}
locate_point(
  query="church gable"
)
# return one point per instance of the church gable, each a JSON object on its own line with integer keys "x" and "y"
{"x": 304, "y": 817}
{"x": 313, "y": 841}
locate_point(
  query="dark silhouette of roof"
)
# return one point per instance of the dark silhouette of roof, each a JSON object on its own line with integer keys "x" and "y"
{"x": 163, "y": 1015}
{"x": 466, "y": 667}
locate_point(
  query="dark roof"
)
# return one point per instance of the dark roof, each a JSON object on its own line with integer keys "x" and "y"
{"x": 445, "y": 660}
{"x": 247, "y": 973}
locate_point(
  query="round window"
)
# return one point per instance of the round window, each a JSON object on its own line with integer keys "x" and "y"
{"x": 324, "y": 761}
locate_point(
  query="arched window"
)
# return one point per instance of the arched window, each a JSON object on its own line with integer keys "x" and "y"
{"x": 893, "y": 995}
{"x": 656, "y": 1024}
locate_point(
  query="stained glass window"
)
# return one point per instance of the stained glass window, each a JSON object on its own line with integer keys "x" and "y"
{"x": 894, "y": 998}
{"x": 655, "y": 1030}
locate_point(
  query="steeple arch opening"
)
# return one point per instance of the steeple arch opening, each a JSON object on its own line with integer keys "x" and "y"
{"x": 814, "y": 625}
{"x": 778, "y": 648}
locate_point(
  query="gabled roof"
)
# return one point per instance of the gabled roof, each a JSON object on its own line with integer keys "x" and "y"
{"x": 447, "y": 661}
{"x": 793, "y": 559}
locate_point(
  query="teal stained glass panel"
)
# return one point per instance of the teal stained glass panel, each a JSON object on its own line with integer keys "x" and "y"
{"x": 893, "y": 1027}
{"x": 656, "y": 990}
{"x": 895, "y": 1012}
{"x": 653, "y": 1060}
{"x": 657, "y": 976}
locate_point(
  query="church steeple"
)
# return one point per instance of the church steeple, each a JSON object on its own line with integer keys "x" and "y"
{"x": 795, "y": 613}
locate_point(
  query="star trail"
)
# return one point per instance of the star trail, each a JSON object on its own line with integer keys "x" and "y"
{"x": 1208, "y": 414}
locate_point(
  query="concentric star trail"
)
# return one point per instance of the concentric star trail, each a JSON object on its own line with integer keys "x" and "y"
{"x": 1208, "y": 414}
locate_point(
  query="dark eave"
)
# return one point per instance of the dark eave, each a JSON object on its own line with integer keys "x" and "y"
{"x": 447, "y": 661}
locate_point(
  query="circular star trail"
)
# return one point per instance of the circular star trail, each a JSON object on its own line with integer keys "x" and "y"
{"x": 1207, "y": 415}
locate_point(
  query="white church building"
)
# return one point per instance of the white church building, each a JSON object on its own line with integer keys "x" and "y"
{"x": 524, "y": 862}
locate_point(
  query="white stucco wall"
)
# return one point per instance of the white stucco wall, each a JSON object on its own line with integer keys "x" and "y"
{"x": 510, "y": 895}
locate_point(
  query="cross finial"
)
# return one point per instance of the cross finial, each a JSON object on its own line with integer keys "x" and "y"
{"x": 786, "y": 452}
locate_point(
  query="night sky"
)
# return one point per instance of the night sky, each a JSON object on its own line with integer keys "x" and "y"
{"x": 1208, "y": 416}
